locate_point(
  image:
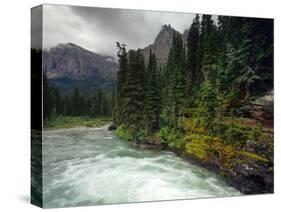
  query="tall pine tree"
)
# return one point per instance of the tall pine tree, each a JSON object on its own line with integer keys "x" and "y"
{"x": 121, "y": 83}
{"x": 134, "y": 100}
{"x": 153, "y": 96}
{"x": 176, "y": 81}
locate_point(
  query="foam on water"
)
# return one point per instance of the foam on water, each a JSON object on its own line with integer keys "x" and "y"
{"x": 85, "y": 166}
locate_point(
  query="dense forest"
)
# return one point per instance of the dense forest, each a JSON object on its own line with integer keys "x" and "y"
{"x": 195, "y": 102}
{"x": 77, "y": 104}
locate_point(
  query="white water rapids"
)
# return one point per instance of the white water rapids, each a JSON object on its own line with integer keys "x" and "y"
{"x": 90, "y": 166}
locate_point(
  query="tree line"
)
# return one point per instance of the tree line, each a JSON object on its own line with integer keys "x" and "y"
{"x": 74, "y": 104}
{"x": 222, "y": 66}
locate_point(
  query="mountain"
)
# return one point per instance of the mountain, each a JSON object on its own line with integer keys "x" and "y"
{"x": 68, "y": 66}
{"x": 162, "y": 44}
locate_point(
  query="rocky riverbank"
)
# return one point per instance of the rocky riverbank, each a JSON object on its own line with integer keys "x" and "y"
{"x": 251, "y": 176}
{"x": 244, "y": 156}
{"x": 248, "y": 178}
{"x": 242, "y": 153}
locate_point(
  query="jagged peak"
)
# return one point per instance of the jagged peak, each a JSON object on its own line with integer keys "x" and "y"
{"x": 167, "y": 27}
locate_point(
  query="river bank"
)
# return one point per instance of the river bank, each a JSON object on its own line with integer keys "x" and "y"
{"x": 242, "y": 153}
{"x": 248, "y": 172}
{"x": 246, "y": 178}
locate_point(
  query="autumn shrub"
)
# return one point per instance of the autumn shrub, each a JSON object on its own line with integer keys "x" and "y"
{"x": 206, "y": 147}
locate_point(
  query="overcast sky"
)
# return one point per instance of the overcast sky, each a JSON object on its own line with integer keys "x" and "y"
{"x": 97, "y": 29}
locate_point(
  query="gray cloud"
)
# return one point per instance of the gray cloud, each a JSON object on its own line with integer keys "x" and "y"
{"x": 97, "y": 29}
{"x": 36, "y": 27}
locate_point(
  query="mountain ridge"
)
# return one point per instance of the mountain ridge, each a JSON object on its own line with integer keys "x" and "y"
{"x": 68, "y": 65}
{"x": 71, "y": 60}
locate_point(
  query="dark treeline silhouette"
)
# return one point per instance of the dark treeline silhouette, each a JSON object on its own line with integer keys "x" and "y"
{"x": 75, "y": 104}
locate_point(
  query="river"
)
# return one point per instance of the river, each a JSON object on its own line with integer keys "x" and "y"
{"x": 90, "y": 166}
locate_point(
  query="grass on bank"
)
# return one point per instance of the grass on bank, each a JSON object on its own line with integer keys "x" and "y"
{"x": 123, "y": 133}
{"x": 74, "y": 121}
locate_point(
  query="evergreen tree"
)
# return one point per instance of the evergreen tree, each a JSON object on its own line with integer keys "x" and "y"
{"x": 58, "y": 101}
{"x": 133, "y": 103}
{"x": 209, "y": 63}
{"x": 121, "y": 82}
{"x": 48, "y": 99}
{"x": 176, "y": 81}
{"x": 153, "y": 96}
{"x": 113, "y": 106}
{"x": 194, "y": 74}
{"x": 75, "y": 102}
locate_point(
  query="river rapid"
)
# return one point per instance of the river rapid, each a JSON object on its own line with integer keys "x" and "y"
{"x": 90, "y": 166}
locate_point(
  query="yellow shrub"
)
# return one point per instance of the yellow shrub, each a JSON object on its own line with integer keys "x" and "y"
{"x": 193, "y": 125}
{"x": 252, "y": 156}
{"x": 208, "y": 147}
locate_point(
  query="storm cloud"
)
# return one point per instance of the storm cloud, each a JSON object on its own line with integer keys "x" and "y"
{"x": 97, "y": 29}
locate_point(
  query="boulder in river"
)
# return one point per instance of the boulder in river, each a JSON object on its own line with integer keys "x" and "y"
{"x": 111, "y": 127}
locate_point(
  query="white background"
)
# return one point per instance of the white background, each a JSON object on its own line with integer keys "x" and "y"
{"x": 15, "y": 106}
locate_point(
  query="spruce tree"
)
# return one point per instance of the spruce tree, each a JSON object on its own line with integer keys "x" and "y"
{"x": 121, "y": 83}
{"x": 133, "y": 103}
{"x": 58, "y": 101}
{"x": 194, "y": 74}
{"x": 75, "y": 102}
{"x": 153, "y": 96}
{"x": 176, "y": 82}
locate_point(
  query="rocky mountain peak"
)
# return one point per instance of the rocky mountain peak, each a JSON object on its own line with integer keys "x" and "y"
{"x": 162, "y": 44}
{"x": 71, "y": 60}
{"x": 165, "y": 35}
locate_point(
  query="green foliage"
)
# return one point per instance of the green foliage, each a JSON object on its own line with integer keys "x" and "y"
{"x": 208, "y": 105}
{"x": 238, "y": 134}
{"x": 123, "y": 133}
{"x": 152, "y": 96}
{"x": 134, "y": 100}
{"x": 198, "y": 145}
{"x": 195, "y": 98}
{"x": 252, "y": 156}
{"x": 194, "y": 74}
{"x": 163, "y": 134}
{"x": 171, "y": 137}
{"x": 75, "y": 104}
{"x": 48, "y": 99}
{"x": 175, "y": 83}
{"x": 193, "y": 125}
{"x": 74, "y": 109}
{"x": 121, "y": 79}
{"x": 208, "y": 148}
{"x": 58, "y": 122}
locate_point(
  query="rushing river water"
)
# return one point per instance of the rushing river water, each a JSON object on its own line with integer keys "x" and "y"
{"x": 90, "y": 166}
